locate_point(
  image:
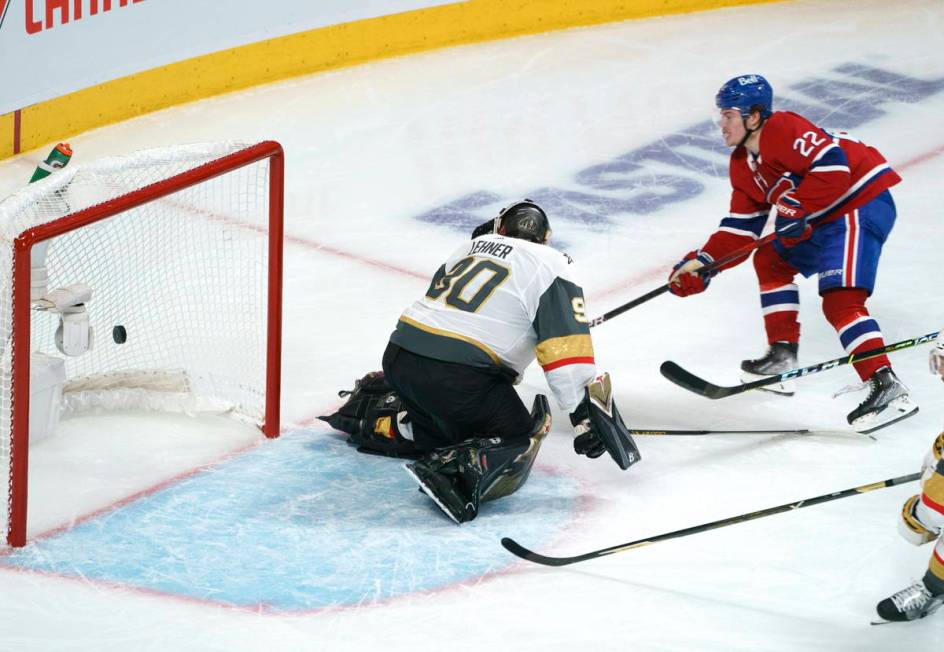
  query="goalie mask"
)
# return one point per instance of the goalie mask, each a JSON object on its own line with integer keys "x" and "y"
{"x": 524, "y": 220}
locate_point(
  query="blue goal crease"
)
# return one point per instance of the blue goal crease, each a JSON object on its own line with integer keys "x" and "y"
{"x": 301, "y": 523}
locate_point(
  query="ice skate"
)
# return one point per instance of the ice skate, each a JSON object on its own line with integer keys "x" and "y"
{"x": 888, "y": 402}
{"x": 443, "y": 489}
{"x": 450, "y": 482}
{"x": 780, "y": 357}
{"x": 911, "y": 603}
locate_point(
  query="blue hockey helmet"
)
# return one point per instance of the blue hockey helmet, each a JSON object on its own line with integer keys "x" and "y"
{"x": 746, "y": 93}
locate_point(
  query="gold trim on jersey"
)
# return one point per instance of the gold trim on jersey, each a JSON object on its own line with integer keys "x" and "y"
{"x": 560, "y": 348}
{"x": 934, "y": 488}
{"x": 455, "y": 336}
{"x": 935, "y": 566}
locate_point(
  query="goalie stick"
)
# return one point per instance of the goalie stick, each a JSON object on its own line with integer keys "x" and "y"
{"x": 693, "y": 383}
{"x": 801, "y": 431}
{"x": 518, "y": 550}
{"x": 737, "y": 253}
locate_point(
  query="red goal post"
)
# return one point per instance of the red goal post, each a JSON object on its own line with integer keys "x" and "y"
{"x": 181, "y": 248}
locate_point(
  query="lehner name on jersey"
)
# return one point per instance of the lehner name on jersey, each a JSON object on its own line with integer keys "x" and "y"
{"x": 486, "y": 247}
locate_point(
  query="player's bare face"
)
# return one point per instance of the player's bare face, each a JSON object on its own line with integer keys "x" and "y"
{"x": 732, "y": 127}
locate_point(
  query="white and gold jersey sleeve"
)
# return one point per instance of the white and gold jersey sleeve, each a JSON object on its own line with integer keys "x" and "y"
{"x": 500, "y": 302}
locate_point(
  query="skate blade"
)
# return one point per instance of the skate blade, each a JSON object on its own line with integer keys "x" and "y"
{"x": 924, "y": 614}
{"x": 899, "y": 409}
{"x": 786, "y": 388}
{"x": 429, "y": 492}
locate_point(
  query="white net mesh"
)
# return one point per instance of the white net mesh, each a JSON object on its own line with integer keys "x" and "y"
{"x": 185, "y": 276}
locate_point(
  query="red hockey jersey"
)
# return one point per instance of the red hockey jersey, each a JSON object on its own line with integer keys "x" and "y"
{"x": 829, "y": 174}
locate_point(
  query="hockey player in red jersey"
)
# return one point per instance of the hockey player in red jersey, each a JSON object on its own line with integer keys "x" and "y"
{"x": 922, "y": 521}
{"x": 446, "y": 397}
{"x": 833, "y": 212}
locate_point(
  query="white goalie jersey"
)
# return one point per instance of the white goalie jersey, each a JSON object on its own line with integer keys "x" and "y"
{"x": 502, "y": 302}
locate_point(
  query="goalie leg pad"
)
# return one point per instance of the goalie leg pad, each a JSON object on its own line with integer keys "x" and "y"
{"x": 461, "y": 477}
{"x": 508, "y": 465}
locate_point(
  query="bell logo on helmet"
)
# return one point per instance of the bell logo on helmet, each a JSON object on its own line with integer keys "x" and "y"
{"x": 746, "y": 93}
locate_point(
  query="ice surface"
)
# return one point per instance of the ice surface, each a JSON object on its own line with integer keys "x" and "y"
{"x": 388, "y": 164}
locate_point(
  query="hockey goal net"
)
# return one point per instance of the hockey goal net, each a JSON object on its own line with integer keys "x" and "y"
{"x": 180, "y": 250}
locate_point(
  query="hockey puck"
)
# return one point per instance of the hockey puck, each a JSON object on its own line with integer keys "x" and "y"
{"x": 119, "y": 334}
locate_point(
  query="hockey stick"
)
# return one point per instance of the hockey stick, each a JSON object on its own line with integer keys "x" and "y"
{"x": 737, "y": 253}
{"x": 517, "y": 549}
{"x": 693, "y": 383}
{"x": 801, "y": 431}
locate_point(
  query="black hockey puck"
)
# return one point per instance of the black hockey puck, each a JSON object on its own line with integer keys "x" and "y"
{"x": 119, "y": 334}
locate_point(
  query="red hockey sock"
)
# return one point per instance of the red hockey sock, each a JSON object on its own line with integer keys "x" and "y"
{"x": 779, "y": 296}
{"x": 845, "y": 309}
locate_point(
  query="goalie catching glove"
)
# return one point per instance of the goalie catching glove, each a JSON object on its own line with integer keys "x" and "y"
{"x": 374, "y": 418}
{"x": 600, "y": 427}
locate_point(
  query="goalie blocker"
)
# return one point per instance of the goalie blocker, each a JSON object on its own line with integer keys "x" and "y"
{"x": 600, "y": 427}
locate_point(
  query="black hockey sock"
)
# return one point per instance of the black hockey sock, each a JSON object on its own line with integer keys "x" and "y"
{"x": 934, "y": 583}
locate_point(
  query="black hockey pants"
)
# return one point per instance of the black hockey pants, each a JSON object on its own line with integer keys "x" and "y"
{"x": 449, "y": 402}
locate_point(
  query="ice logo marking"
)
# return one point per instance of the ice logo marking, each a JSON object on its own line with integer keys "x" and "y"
{"x": 750, "y": 79}
{"x": 602, "y": 195}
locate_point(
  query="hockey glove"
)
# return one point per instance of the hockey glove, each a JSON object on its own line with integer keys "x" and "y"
{"x": 600, "y": 427}
{"x": 586, "y": 442}
{"x": 485, "y": 228}
{"x": 912, "y": 528}
{"x": 686, "y": 279}
{"x": 791, "y": 226}
{"x": 936, "y": 359}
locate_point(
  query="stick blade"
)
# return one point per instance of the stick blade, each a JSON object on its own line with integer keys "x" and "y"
{"x": 687, "y": 380}
{"x": 518, "y": 550}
